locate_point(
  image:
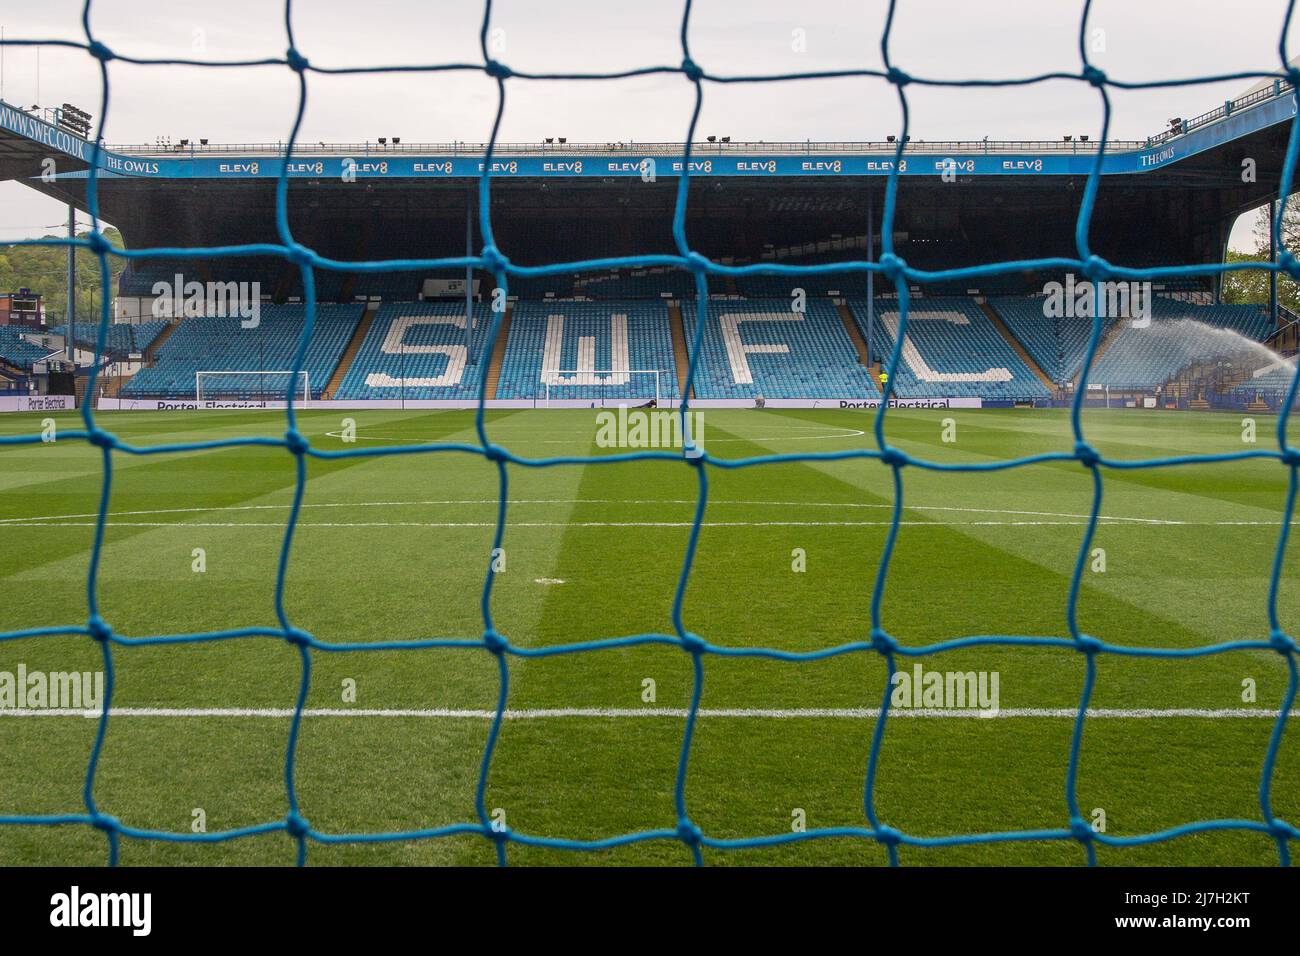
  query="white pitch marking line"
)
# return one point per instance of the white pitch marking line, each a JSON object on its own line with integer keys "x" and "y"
{"x": 841, "y": 433}
{"x": 850, "y": 713}
{"x": 69, "y": 520}
{"x": 622, "y": 524}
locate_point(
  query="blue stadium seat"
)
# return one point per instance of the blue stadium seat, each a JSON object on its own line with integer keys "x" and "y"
{"x": 1179, "y": 334}
{"x": 124, "y": 338}
{"x": 607, "y": 337}
{"x": 1058, "y": 345}
{"x": 760, "y": 347}
{"x": 951, "y": 349}
{"x": 417, "y": 351}
{"x": 18, "y": 351}
{"x": 222, "y": 344}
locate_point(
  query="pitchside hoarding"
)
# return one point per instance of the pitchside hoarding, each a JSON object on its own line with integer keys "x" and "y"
{"x": 37, "y": 403}
{"x": 189, "y": 405}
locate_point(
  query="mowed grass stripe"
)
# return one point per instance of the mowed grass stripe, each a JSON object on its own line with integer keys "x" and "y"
{"x": 601, "y": 776}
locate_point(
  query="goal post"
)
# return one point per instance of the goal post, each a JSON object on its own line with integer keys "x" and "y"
{"x": 271, "y": 385}
{"x": 602, "y": 386}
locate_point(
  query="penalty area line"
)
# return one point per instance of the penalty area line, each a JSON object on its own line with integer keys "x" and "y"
{"x": 840, "y": 713}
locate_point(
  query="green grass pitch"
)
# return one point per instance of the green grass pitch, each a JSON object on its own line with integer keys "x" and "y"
{"x": 396, "y": 548}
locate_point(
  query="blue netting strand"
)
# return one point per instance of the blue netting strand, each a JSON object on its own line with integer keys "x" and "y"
{"x": 493, "y": 260}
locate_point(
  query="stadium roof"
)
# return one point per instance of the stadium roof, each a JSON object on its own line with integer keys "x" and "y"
{"x": 1169, "y": 199}
{"x": 25, "y": 139}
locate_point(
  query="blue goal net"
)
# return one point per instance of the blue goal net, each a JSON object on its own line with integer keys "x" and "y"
{"x": 1073, "y": 827}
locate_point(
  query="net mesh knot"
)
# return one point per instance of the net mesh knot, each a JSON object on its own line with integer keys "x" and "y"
{"x": 882, "y": 641}
{"x": 296, "y": 442}
{"x": 893, "y": 457}
{"x": 1282, "y": 642}
{"x": 1088, "y": 644}
{"x": 898, "y": 77}
{"x": 689, "y": 833}
{"x": 494, "y": 260}
{"x": 99, "y": 629}
{"x": 888, "y": 836}
{"x": 101, "y": 439}
{"x": 495, "y": 643}
{"x": 692, "y": 643}
{"x": 1086, "y": 454}
{"x": 1082, "y": 830}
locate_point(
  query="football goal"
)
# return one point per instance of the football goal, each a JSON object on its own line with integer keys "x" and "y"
{"x": 601, "y": 387}
{"x": 251, "y": 386}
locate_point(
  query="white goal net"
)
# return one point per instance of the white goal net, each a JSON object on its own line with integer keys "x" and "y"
{"x": 601, "y": 387}
{"x": 254, "y": 387}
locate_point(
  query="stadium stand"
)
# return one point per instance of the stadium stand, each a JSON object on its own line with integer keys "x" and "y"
{"x": 815, "y": 284}
{"x": 636, "y": 284}
{"x": 17, "y": 350}
{"x": 141, "y": 276}
{"x": 222, "y": 344}
{"x": 606, "y": 338}
{"x": 539, "y": 287}
{"x": 760, "y": 347}
{"x": 1058, "y": 345}
{"x": 124, "y": 338}
{"x": 951, "y": 349}
{"x": 1179, "y": 334}
{"x": 392, "y": 286}
{"x": 417, "y": 351}
{"x": 1271, "y": 382}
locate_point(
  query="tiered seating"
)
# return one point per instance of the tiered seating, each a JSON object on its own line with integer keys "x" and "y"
{"x": 417, "y": 351}
{"x": 951, "y": 349}
{"x": 760, "y": 347}
{"x": 16, "y": 350}
{"x": 813, "y": 284}
{"x": 1058, "y": 345}
{"x": 222, "y": 344}
{"x": 609, "y": 337}
{"x": 635, "y": 283}
{"x": 141, "y": 275}
{"x": 400, "y": 286}
{"x": 124, "y": 338}
{"x": 1273, "y": 383}
{"x": 529, "y": 287}
{"x": 1179, "y": 335}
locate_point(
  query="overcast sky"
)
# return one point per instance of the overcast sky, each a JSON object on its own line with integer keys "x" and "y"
{"x": 1140, "y": 40}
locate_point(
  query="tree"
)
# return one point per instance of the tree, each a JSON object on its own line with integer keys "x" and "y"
{"x": 44, "y": 270}
{"x": 1252, "y": 285}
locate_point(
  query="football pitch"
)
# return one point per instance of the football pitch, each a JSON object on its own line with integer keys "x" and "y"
{"x": 395, "y": 548}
